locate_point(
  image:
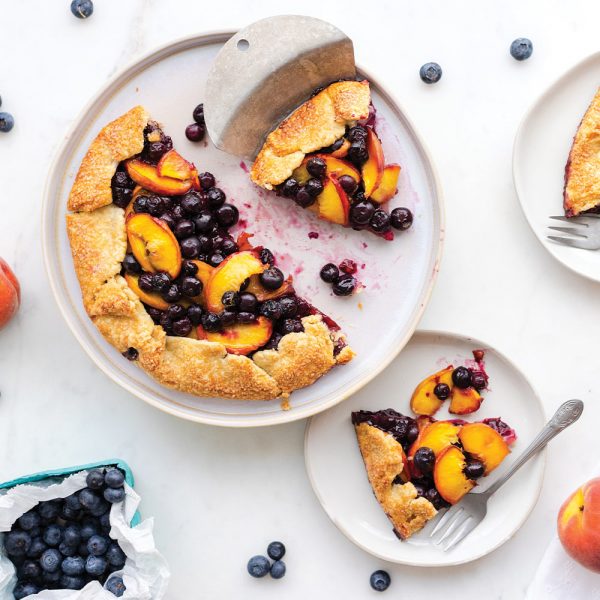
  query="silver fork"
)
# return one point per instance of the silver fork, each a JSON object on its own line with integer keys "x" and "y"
{"x": 584, "y": 231}
{"x": 459, "y": 520}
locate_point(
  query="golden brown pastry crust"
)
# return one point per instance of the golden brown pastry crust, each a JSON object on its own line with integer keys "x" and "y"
{"x": 316, "y": 124}
{"x": 99, "y": 244}
{"x": 383, "y": 458}
{"x": 582, "y": 172}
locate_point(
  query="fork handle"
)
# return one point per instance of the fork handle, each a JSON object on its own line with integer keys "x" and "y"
{"x": 566, "y": 415}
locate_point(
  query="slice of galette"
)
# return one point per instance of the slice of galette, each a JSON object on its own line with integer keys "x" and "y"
{"x": 327, "y": 157}
{"x": 167, "y": 284}
{"x": 417, "y": 466}
{"x": 582, "y": 172}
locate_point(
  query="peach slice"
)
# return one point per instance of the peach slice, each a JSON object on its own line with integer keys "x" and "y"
{"x": 334, "y": 205}
{"x": 423, "y": 421}
{"x": 262, "y": 294}
{"x": 149, "y": 298}
{"x": 153, "y": 244}
{"x": 138, "y": 190}
{"x": 437, "y": 436}
{"x": 242, "y": 338}
{"x": 423, "y": 400}
{"x": 372, "y": 170}
{"x": 147, "y": 176}
{"x": 464, "y": 401}
{"x": 301, "y": 174}
{"x": 485, "y": 443}
{"x": 339, "y": 167}
{"x": 172, "y": 164}
{"x": 229, "y": 276}
{"x": 389, "y": 184}
{"x": 448, "y": 475}
{"x": 342, "y": 151}
{"x": 204, "y": 271}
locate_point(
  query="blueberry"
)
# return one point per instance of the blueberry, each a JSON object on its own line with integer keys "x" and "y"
{"x": 258, "y": 566}
{"x": 246, "y": 317}
{"x": 73, "y": 565}
{"x": 178, "y": 213}
{"x": 289, "y": 306}
{"x": 380, "y": 221}
{"x": 194, "y": 313}
{"x": 204, "y": 222}
{"x": 88, "y": 530}
{"x": 335, "y": 146}
{"x": 211, "y": 322}
{"x": 155, "y": 206}
{"x": 51, "y": 579}
{"x": 434, "y": 497}
{"x": 30, "y": 569}
{"x": 216, "y": 197}
{"x": 193, "y": 203}
{"x": 272, "y": 278}
{"x": 50, "y": 560}
{"x": 198, "y": 114}
{"x": 314, "y": 187}
{"x": 72, "y": 535}
{"x": 190, "y": 286}
{"x": 82, "y": 550}
{"x": 266, "y": 257}
{"x": 215, "y": 259}
{"x": 303, "y": 198}
{"x": 30, "y": 520}
{"x": 67, "y": 550}
{"x": 146, "y": 282}
{"x": 115, "y": 556}
{"x": 271, "y": 309}
{"x": 131, "y": 265}
{"x": 329, "y": 273}
{"x": 88, "y": 498}
{"x": 95, "y": 565}
{"x": 290, "y": 188}
{"x": 442, "y": 391}
{"x": 24, "y": 589}
{"x": 401, "y": 218}
{"x": 172, "y": 293}
{"x": 53, "y": 535}
{"x": 207, "y": 180}
{"x": 474, "y": 469}
{"x": 344, "y": 286}
{"x": 230, "y": 299}
{"x": 68, "y": 582}
{"x": 190, "y": 247}
{"x": 247, "y": 302}
{"x": 380, "y": 580}
{"x": 160, "y": 281}
{"x": 478, "y": 380}
{"x": 116, "y": 586}
{"x": 357, "y": 133}
{"x": 227, "y": 215}
{"x": 461, "y": 377}
{"x": 153, "y": 151}
{"x": 348, "y": 184}
{"x": 36, "y": 548}
{"x": 276, "y": 550}
{"x": 105, "y": 521}
{"x": 424, "y": 460}
{"x": 316, "y": 166}
{"x": 358, "y": 153}
{"x": 82, "y": 9}
{"x": 50, "y": 509}
{"x": 430, "y": 72}
{"x": 97, "y": 545}
{"x": 195, "y": 132}
{"x": 176, "y": 311}
{"x": 114, "y": 495}
{"x": 273, "y": 342}
{"x": 184, "y": 229}
{"x": 521, "y": 49}
{"x": 140, "y": 204}
{"x": 291, "y": 326}
{"x": 277, "y": 569}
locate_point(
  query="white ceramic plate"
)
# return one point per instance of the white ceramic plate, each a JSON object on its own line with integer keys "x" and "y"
{"x": 398, "y": 275}
{"x": 338, "y": 476}
{"x": 540, "y": 154}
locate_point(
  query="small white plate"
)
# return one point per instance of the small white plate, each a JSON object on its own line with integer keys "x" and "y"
{"x": 337, "y": 474}
{"x": 540, "y": 153}
{"x": 398, "y": 275}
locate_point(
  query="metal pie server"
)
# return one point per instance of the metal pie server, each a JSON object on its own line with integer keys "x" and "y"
{"x": 264, "y": 72}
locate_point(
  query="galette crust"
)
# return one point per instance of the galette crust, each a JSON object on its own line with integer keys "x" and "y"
{"x": 582, "y": 172}
{"x": 316, "y": 124}
{"x": 382, "y": 455}
{"x": 99, "y": 243}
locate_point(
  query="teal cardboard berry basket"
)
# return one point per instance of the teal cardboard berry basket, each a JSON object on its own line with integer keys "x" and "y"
{"x": 57, "y": 475}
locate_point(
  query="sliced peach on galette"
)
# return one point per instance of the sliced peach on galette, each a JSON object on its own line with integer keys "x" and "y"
{"x": 173, "y": 165}
{"x": 484, "y": 443}
{"x": 152, "y": 299}
{"x": 372, "y": 169}
{"x": 449, "y": 475}
{"x": 437, "y": 436}
{"x": 389, "y": 185}
{"x": 241, "y": 338}
{"x": 333, "y": 202}
{"x": 147, "y": 176}
{"x": 424, "y": 400}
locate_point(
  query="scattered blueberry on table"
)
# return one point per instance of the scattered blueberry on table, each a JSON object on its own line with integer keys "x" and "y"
{"x": 277, "y": 569}
{"x": 197, "y": 130}
{"x": 259, "y": 566}
{"x": 82, "y": 9}
{"x": 521, "y": 49}
{"x": 7, "y": 122}
{"x": 65, "y": 544}
{"x": 276, "y": 550}
{"x": 430, "y": 72}
{"x": 380, "y": 581}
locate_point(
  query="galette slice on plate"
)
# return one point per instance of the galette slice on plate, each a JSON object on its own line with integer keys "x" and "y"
{"x": 417, "y": 466}
{"x": 582, "y": 172}
{"x": 167, "y": 284}
{"x": 327, "y": 157}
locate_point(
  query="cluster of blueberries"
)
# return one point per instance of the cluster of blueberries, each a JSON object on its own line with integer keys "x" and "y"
{"x": 341, "y": 277}
{"x": 196, "y": 131}
{"x": 364, "y": 214}
{"x": 65, "y": 543}
{"x": 259, "y": 566}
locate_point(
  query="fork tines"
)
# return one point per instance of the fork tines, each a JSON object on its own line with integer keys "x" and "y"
{"x": 582, "y": 233}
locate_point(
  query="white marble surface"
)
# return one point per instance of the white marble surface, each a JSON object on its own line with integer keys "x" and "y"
{"x": 220, "y": 495}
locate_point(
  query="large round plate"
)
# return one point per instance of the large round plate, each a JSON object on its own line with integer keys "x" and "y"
{"x": 338, "y": 476}
{"x": 398, "y": 276}
{"x": 541, "y": 149}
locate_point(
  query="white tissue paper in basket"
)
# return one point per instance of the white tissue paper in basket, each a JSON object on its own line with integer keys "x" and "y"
{"x": 145, "y": 574}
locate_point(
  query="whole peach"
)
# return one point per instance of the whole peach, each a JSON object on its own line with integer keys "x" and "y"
{"x": 579, "y": 525}
{"x": 10, "y": 293}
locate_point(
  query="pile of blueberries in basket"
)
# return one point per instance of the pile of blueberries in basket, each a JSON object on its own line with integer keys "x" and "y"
{"x": 65, "y": 543}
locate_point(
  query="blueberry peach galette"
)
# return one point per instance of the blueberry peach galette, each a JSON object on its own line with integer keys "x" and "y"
{"x": 166, "y": 283}
{"x": 326, "y": 157}
{"x": 418, "y": 465}
{"x": 582, "y": 173}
